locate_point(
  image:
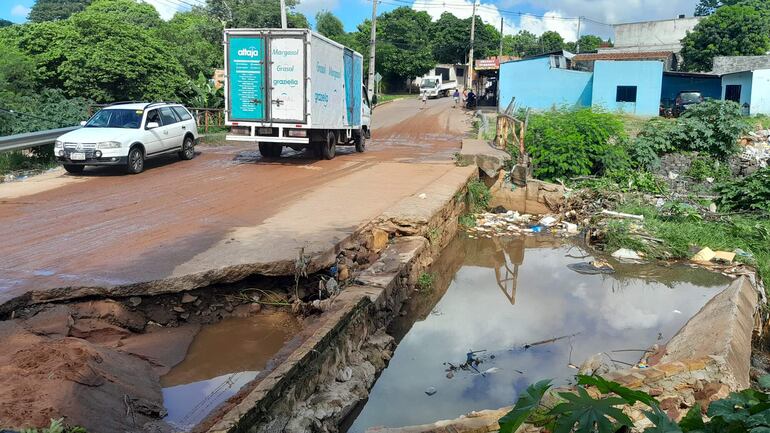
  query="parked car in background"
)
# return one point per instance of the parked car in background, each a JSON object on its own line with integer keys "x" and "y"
{"x": 684, "y": 99}
{"x": 126, "y": 133}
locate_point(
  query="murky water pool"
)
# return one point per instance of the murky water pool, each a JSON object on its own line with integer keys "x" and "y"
{"x": 497, "y": 296}
{"x": 222, "y": 358}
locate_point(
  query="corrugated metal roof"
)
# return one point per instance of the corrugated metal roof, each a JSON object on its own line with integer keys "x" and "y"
{"x": 640, "y": 55}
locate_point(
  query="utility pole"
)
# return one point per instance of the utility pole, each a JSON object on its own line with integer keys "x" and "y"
{"x": 500, "y": 56}
{"x": 372, "y": 49}
{"x": 469, "y": 75}
{"x": 283, "y": 14}
{"x": 577, "y": 42}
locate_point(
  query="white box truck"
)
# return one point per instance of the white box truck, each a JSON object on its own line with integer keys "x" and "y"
{"x": 434, "y": 86}
{"x": 295, "y": 88}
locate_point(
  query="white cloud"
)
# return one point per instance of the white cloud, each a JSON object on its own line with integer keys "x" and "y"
{"x": 612, "y": 11}
{"x": 20, "y": 11}
{"x": 552, "y": 20}
{"x": 312, "y": 7}
{"x": 165, "y": 9}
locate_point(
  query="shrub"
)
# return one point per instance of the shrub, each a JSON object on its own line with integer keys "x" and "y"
{"x": 749, "y": 193}
{"x": 568, "y": 143}
{"x": 712, "y": 127}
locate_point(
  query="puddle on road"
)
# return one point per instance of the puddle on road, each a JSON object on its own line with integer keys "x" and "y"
{"x": 498, "y": 295}
{"x": 222, "y": 358}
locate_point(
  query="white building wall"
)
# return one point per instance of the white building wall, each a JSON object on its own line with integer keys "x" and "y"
{"x": 760, "y": 92}
{"x": 665, "y": 35}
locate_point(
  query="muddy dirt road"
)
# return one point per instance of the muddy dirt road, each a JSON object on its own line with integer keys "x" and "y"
{"x": 219, "y": 217}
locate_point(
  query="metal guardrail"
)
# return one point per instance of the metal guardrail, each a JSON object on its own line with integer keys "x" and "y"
{"x": 32, "y": 139}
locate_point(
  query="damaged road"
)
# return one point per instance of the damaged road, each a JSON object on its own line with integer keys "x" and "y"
{"x": 217, "y": 219}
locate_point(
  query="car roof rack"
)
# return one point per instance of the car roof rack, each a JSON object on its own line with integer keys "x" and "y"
{"x": 123, "y": 103}
{"x": 159, "y": 103}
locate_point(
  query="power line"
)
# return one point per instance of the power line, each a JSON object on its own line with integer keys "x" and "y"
{"x": 490, "y": 7}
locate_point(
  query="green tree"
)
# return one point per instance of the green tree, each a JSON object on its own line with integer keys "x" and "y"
{"x": 329, "y": 25}
{"x": 53, "y": 10}
{"x": 5, "y": 23}
{"x": 105, "y": 53}
{"x": 450, "y": 36}
{"x": 403, "y": 44}
{"x": 589, "y": 43}
{"x": 255, "y": 13}
{"x": 737, "y": 30}
{"x": 201, "y": 93}
{"x": 521, "y": 44}
{"x": 550, "y": 41}
{"x": 195, "y": 37}
{"x": 708, "y": 7}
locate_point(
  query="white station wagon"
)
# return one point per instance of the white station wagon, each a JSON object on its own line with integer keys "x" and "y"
{"x": 127, "y": 133}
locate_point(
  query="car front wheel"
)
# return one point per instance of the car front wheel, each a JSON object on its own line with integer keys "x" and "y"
{"x": 188, "y": 149}
{"x": 135, "y": 163}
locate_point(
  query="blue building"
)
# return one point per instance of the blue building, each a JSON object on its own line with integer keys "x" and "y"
{"x": 636, "y": 87}
{"x": 544, "y": 82}
{"x": 751, "y": 89}
{"x": 631, "y": 87}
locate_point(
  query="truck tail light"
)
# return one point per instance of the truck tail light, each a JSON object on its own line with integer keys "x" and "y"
{"x": 297, "y": 133}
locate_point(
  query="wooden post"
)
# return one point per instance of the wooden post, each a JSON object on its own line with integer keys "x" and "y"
{"x": 206, "y": 116}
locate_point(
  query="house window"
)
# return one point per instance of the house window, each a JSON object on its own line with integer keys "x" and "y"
{"x": 626, "y": 94}
{"x": 733, "y": 93}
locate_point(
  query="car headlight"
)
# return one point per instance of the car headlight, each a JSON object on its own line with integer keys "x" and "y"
{"x": 108, "y": 145}
{"x": 58, "y": 144}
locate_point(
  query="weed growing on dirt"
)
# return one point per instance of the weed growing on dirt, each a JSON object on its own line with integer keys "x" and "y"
{"x": 467, "y": 221}
{"x": 478, "y": 196}
{"x": 425, "y": 281}
{"x": 434, "y": 235}
{"x": 19, "y": 160}
{"x": 703, "y": 167}
{"x": 626, "y": 181}
{"x": 677, "y": 230}
{"x": 56, "y": 426}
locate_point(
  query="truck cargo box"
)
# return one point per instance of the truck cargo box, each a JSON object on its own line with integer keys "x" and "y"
{"x": 292, "y": 87}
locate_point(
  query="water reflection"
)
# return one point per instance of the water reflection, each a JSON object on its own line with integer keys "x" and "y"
{"x": 222, "y": 358}
{"x": 492, "y": 296}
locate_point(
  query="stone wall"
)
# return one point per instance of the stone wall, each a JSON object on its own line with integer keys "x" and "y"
{"x": 323, "y": 379}
{"x": 731, "y": 64}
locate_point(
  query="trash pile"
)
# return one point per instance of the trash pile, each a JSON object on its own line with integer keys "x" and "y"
{"x": 755, "y": 149}
{"x": 511, "y": 223}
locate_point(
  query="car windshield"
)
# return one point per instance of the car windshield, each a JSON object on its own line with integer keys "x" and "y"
{"x": 689, "y": 97}
{"x": 428, "y": 83}
{"x": 116, "y": 118}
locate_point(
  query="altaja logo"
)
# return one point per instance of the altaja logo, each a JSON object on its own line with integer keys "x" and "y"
{"x": 248, "y": 52}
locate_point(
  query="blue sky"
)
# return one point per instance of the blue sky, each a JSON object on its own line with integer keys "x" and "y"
{"x": 536, "y": 16}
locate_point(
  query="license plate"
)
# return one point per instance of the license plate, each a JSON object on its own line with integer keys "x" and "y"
{"x": 265, "y": 131}
{"x": 78, "y": 156}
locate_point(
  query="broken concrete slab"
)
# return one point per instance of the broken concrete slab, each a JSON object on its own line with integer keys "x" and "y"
{"x": 483, "y": 155}
{"x": 728, "y": 322}
{"x": 482, "y": 421}
{"x": 537, "y": 197}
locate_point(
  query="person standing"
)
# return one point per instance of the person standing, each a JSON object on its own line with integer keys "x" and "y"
{"x": 424, "y": 98}
{"x": 456, "y": 97}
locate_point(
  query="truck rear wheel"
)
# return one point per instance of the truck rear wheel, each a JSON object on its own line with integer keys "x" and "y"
{"x": 329, "y": 147}
{"x": 270, "y": 150}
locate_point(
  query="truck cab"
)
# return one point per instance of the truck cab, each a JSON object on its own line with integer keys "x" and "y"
{"x": 434, "y": 86}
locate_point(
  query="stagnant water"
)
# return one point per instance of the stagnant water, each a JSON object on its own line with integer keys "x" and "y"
{"x": 498, "y": 295}
{"x": 222, "y": 358}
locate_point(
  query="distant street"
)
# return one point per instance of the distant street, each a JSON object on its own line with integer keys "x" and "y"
{"x": 228, "y": 206}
